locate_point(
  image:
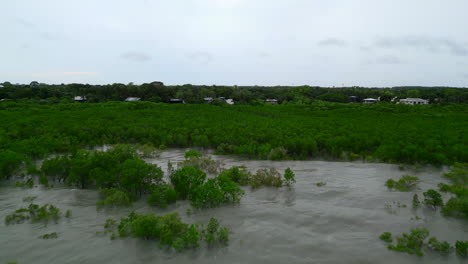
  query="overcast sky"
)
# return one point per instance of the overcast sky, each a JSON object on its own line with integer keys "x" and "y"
{"x": 245, "y": 42}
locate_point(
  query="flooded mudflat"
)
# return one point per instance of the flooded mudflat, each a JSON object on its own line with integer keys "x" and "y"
{"x": 339, "y": 222}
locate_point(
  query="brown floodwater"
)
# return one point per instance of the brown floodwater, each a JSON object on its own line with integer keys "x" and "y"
{"x": 339, "y": 222}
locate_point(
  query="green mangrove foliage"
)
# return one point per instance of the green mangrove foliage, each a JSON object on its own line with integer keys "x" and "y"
{"x": 404, "y": 184}
{"x": 190, "y": 183}
{"x": 195, "y": 159}
{"x": 162, "y": 195}
{"x": 112, "y": 197}
{"x": 169, "y": 230}
{"x": 415, "y": 242}
{"x": 416, "y": 202}
{"x": 53, "y": 235}
{"x": 387, "y": 237}
{"x": 433, "y": 199}
{"x": 264, "y": 177}
{"x": 118, "y": 168}
{"x": 34, "y": 213}
{"x": 461, "y": 247}
{"x": 432, "y": 134}
{"x": 411, "y": 243}
{"x": 457, "y": 205}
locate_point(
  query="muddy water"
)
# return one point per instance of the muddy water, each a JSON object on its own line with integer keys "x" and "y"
{"x": 336, "y": 223}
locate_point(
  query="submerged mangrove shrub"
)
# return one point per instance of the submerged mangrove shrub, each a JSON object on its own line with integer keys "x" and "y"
{"x": 404, "y": 184}
{"x": 186, "y": 179}
{"x": 289, "y": 177}
{"x": 279, "y": 153}
{"x": 387, "y": 237}
{"x": 35, "y": 213}
{"x": 432, "y": 199}
{"x": 49, "y": 236}
{"x": 461, "y": 247}
{"x": 266, "y": 177}
{"x": 162, "y": 195}
{"x": 238, "y": 174}
{"x": 118, "y": 168}
{"x": 195, "y": 159}
{"x": 169, "y": 230}
{"x": 415, "y": 241}
{"x": 458, "y": 205}
{"x": 113, "y": 197}
{"x": 443, "y": 247}
{"x": 411, "y": 243}
{"x": 416, "y": 202}
{"x": 215, "y": 192}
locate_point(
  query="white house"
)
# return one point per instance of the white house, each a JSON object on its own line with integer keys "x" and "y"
{"x": 229, "y": 101}
{"x": 271, "y": 101}
{"x": 414, "y": 101}
{"x": 208, "y": 99}
{"x": 369, "y": 101}
{"x": 132, "y": 99}
{"x": 80, "y": 98}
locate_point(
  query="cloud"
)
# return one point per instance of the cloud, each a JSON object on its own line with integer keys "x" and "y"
{"x": 332, "y": 42}
{"x": 136, "y": 56}
{"x": 52, "y": 74}
{"x": 386, "y": 60}
{"x": 430, "y": 44}
{"x": 200, "y": 57}
{"x": 464, "y": 75}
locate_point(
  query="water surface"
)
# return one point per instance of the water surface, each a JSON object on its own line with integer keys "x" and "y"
{"x": 336, "y": 223}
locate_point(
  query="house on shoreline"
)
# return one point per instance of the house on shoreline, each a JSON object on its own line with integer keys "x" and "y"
{"x": 369, "y": 101}
{"x": 414, "y": 101}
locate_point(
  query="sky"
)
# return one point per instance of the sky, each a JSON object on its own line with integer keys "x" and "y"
{"x": 369, "y": 43}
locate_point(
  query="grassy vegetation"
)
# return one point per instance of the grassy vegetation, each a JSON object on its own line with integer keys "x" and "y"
{"x": 433, "y": 134}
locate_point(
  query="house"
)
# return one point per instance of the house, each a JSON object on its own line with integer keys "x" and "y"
{"x": 208, "y": 99}
{"x": 80, "y": 99}
{"x": 271, "y": 101}
{"x": 414, "y": 101}
{"x": 132, "y": 99}
{"x": 369, "y": 101}
{"x": 176, "y": 101}
{"x": 229, "y": 101}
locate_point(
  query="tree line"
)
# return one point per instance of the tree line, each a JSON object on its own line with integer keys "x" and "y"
{"x": 252, "y": 95}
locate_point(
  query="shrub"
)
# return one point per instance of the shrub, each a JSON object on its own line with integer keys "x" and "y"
{"x": 238, "y": 174}
{"x": 442, "y": 247}
{"x": 186, "y": 179}
{"x": 162, "y": 195}
{"x": 461, "y": 247}
{"x": 404, "y": 184}
{"x": 215, "y": 192}
{"x": 387, "y": 237}
{"x": 456, "y": 206}
{"x": 458, "y": 173}
{"x": 279, "y": 153}
{"x": 192, "y": 154}
{"x": 29, "y": 183}
{"x": 289, "y": 177}
{"x": 204, "y": 163}
{"x": 35, "y": 213}
{"x": 266, "y": 177}
{"x": 411, "y": 243}
{"x": 169, "y": 230}
{"x": 49, "y": 236}
{"x": 113, "y": 198}
{"x": 416, "y": 202}
{"x": 432, "y": 198}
